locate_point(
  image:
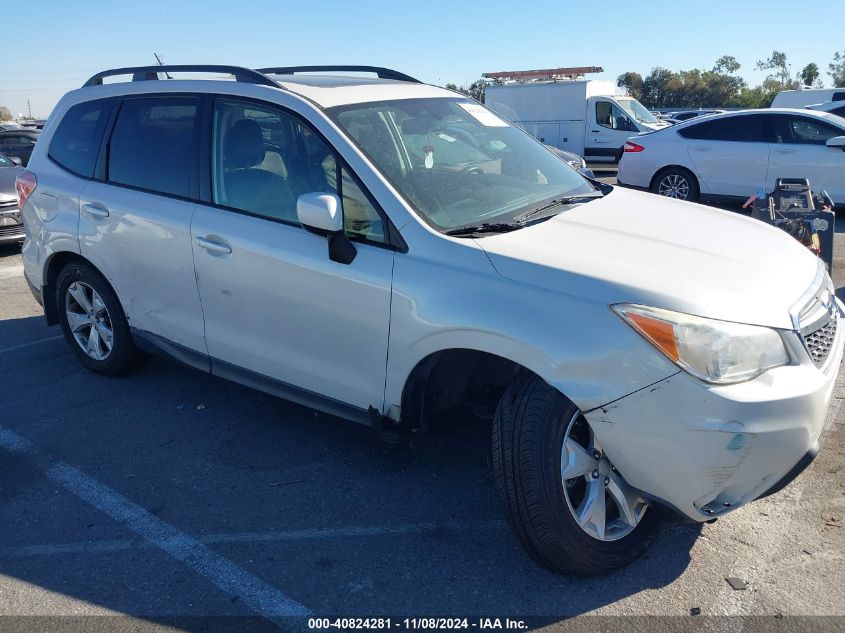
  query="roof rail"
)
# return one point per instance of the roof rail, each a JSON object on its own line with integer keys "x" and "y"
{"x": 143, "y": 73}
{"x": 381, "y": 73}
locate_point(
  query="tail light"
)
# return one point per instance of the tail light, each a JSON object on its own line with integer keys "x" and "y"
{"x": 633, "y": 147}
{"x": 25, "y": 184}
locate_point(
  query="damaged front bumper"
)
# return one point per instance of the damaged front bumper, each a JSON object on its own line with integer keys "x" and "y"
{"x": 703, "y": 450}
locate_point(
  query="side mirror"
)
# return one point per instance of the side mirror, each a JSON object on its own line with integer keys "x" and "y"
{"x": 322, "y": 213}
{"x": 16, "y": 160}
{"x": 836, "y": 141}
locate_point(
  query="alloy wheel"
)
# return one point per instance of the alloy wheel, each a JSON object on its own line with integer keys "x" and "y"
{"x": 674, "y": 186}
{"x": 601, "y": 502}
{"x": 89, "y": 320}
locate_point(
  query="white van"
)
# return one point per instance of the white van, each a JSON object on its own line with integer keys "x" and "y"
{"x": 807, "y": 96}
{"x": 581, "y": 116}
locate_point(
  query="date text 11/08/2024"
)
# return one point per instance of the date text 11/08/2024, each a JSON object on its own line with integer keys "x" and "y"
{"x": 416, "y": 624}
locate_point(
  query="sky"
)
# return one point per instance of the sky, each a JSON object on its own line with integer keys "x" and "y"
{"x": 58, "y": 44}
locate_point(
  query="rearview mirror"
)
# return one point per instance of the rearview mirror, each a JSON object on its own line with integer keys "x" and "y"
{"x": 322, "y": 213}
{"x": 836, "y": 141}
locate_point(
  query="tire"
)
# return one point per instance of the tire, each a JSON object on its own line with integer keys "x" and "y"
{"x": 678, "y": 181}
{"x": 529, "y": 428}
{"x": 74, "y": 287}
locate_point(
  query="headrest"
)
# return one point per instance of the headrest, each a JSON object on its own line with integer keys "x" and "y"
{"x": 244, "y": 145}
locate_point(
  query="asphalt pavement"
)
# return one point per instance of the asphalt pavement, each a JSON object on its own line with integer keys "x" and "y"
{"x": 170, "y": 495}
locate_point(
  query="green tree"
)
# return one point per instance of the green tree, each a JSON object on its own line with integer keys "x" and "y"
{"x": 757, "y": 97}
{"x": 837, "y": 70}
{"x": 809, "y": 75}
{"x": 782, "y": 70}
{"x": 726, "y": 65}
{"x": 474, "y": 91}
{"x": 5, "y": 114}
{"x": 696, "y": 88}
{"x": 632, "y": 83}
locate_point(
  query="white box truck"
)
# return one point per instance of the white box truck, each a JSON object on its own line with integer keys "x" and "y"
{"x": 807, "y": 96}
{"x": 581, "y": 116}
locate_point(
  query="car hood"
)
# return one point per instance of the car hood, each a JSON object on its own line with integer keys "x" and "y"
{"x": 7, "y": 183}
{"x": 641, "y": 248}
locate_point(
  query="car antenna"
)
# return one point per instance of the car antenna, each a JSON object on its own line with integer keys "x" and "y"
{"x": 160, "y": 63}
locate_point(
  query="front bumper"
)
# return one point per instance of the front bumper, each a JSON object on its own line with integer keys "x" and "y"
{"x": 704, "y": 450}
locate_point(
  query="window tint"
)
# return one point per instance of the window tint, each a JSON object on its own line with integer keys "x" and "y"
{"x": 838, "y": 111}
{"x": 77, "y": 139}
{"x": 747, "y": 129}
{"x": 264, "y": 159}
{"x": 152, "y": 145}
{"x": 803, "y": 130}
{"x": 838, "y": 96}
{"x": 610, "y": 115}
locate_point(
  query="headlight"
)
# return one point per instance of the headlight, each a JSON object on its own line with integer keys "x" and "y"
{"x": 714, "y": 351}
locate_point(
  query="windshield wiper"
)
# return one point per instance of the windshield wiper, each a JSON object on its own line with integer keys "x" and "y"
{"x": 484, "y": 227}
{"x": 558, "y": 202}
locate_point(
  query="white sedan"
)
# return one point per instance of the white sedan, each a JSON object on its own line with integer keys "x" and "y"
{"x": 733, "y": 155}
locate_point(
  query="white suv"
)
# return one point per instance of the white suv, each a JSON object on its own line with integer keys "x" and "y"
{"x": 383, "y": 250}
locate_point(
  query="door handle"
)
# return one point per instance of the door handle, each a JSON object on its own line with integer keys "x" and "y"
{"x": 594, "y": 131}
{"x": 95, "y": 209}
{"x": 214, "y": 247}
{"x": 785, "y": 151}
{"x": 702, "y": 149}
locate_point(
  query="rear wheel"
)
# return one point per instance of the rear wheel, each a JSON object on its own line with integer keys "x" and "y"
{"x": 676, "y": 182}
{"x": 93, "y": 322}
{"x": 571, "y": 509}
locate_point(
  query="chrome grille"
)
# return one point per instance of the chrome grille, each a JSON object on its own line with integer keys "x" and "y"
{"x": 820, "y": 342}
{"x": 9, "y": 231}
{"x": 816, "y": 317}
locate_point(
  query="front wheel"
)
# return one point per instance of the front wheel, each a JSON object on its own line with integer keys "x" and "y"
{"x": 570, "y": 508}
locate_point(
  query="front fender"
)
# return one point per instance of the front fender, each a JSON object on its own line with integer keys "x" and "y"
{"x": 580, "y": 347}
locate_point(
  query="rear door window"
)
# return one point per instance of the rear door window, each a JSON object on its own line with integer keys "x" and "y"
{"x": 747, "y": 129}
{"x": 76, "y": 141}
{"x": 154, "y": 145}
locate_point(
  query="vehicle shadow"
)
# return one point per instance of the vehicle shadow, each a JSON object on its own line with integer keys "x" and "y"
{"x": 9, "y": 250}
{"x": 312, "y": 505}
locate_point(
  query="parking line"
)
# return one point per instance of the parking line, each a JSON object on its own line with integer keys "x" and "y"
{"x": 83, "y": 547}
{"x": 25, "y": 345}
{"x": 228, "y": 577}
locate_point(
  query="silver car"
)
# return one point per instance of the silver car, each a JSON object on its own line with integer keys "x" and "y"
{"x": 11, "y": 223}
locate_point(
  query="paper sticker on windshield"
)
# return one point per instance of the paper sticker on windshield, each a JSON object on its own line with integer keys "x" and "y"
{"x": 483, "y": 115}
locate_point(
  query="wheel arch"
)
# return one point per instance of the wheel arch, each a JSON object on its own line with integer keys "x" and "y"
{"x": 455, "y": 376}
{"x": 53, "y": 268}
{"x": 659, "y": 173}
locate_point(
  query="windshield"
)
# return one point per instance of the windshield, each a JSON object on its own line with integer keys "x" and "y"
{"x": 636, "y": 110}
{"x": 456, "y": 162}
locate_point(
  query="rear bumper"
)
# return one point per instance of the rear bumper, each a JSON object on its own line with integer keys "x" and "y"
{"x": 705, "y": 450}
{"x": 36, "y": 292}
